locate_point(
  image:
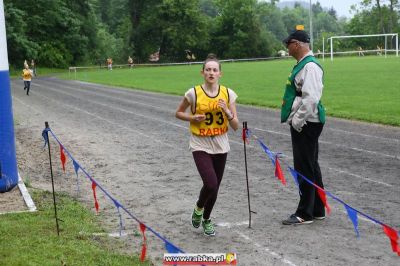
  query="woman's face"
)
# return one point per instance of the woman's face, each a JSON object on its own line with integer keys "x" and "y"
{"x": 211, "y": 72}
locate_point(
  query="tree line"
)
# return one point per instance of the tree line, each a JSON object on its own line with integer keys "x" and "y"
{"x": 59, "y": 33}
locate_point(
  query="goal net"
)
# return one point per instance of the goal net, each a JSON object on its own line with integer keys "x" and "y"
{"x": 361, "y": 45}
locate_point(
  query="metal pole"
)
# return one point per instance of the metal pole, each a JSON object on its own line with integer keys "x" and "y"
{"x": 52, "y": 179}
{"x": 323, "y": 48}
{"x": 397, "y": 45}
{"x": 331, "y": 49}
{"x": 311, "y": 28}
{"x": 245, "y": 165}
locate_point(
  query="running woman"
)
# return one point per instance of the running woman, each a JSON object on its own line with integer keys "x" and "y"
{"x": 212, "y": 111}
{"x": 27, "y": 77}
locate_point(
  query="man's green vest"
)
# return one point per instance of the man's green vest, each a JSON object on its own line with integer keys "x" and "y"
{"x": 291, "y": 93}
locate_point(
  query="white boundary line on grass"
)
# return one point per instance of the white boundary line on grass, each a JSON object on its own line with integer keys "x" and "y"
{"x": 25, "y": 194}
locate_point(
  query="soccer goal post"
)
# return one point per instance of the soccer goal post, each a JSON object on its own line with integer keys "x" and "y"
{"x": 331, "y": 39}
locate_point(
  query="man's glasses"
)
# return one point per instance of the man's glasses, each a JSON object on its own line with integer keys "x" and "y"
{"x": 287, "y": 44}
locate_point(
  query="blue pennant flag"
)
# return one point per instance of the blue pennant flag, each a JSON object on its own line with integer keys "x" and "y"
{"x": 294, "y": 174}
{"x": 76, "y": 168}
{"x": 116, "y": 203}
{"x": 267, "y": 151}
{"x": 352, "y": 213}
{"x": 121, "y": 225}
{"x": 171, "y": 248}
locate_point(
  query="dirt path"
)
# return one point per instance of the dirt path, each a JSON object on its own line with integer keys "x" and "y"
{"x": 131, "y": 143}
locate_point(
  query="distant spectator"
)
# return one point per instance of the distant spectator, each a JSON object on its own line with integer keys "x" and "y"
{"x": 282, "y": 53}
{"x": 190, "y": 55}
{"x": 109, "y": 63}
{"x": 155, "y": 57}
{"x": 130, "y": 62}
{"x": 318, "y": 53}
{"x": 360, "y": 51}
{"x": 33, "y": 67}
{"x": 378, "y": 50}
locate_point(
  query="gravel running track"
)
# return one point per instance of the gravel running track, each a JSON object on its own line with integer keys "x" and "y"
{"x": 132, "y": 144}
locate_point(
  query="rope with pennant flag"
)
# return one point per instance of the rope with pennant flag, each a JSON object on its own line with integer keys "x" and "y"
{"x": 276, "y": 160}
{"x": 65, "y": 154}
{"x": 352, "y": 212}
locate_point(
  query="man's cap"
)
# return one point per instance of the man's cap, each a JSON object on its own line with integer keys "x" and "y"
{"x": 299, "y": 34}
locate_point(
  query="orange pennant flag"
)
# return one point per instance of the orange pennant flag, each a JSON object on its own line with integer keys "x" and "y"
{"x": 322, "y": 196}
{"x": 278, "y": 171}
{"x": 144, "y": 247}
{"x": 394, "y": 238}
{"x": 62, "y": 157}
{"x": 96, "y": 203}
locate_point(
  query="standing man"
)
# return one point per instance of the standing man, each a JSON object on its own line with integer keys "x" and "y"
{"x": 303, "y": 111}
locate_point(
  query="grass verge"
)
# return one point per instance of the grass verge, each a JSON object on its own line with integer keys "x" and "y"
{"x": 31, "y": 238}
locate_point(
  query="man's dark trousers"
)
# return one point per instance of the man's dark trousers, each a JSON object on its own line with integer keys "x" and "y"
{"x": 305, "y": 156}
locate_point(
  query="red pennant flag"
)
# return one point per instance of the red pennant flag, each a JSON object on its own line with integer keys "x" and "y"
{"x": 244, "y": 134}
{"x": 63, "y": 158}
{"x": 144, "y": 247}
{"x": 393, "y": 236}
{"x": 96, "y": 203}
{"x": 322, "y": 196}
{"x": 278, "y": 171}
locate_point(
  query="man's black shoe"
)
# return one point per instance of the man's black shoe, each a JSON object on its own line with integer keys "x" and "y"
{"x": 294, "y": 220}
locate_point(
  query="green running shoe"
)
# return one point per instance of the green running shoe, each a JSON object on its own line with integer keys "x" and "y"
{"x": 208, "y": 227}
{"x": 196, "y": 217}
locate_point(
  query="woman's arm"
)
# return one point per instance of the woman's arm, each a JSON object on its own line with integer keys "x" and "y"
{"x": 234, "y": 120}
{"x": 183, "y": 115}
{"x": 230, "y": 113}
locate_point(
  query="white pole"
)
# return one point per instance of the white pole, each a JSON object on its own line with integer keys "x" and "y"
{"x": 8, "y": 159}
{"x": 385, "y": 46}
{"x": 311, "y": 28}
{"x": 397, "y": 45}
{"x": 331, "y": 49}
{"x": 323, "y": 48}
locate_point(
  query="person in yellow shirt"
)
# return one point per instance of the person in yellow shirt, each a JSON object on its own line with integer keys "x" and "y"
{"x": 27, "y": 77}
{"x": 212, "y": 112}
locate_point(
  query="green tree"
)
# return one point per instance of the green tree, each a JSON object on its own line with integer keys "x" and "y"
{"x": 238, "y": 32}
{"x": 53, "y": 32}
{"x": 20, "y": 47}
{"x": 170, "y": 26}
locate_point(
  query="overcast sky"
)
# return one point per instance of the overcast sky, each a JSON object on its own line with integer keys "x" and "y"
{"x": 342, "y": 7}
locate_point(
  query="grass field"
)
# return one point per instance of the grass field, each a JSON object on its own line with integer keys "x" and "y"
{"x": 31, "y": 238}
{"x": 360, "y": 88}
